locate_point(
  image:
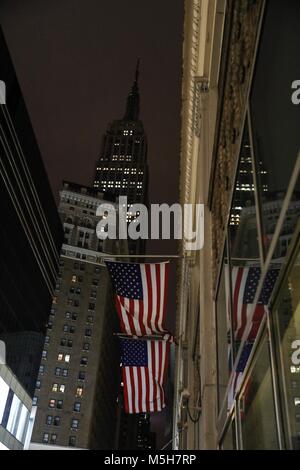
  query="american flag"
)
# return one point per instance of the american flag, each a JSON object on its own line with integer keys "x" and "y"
{"x": 236, "y": 377}
{"x": 144, "y": 363}
{"x": 245, "y": 281}
{"x": 244, "y": 285}
{"x": 140, "y": 291}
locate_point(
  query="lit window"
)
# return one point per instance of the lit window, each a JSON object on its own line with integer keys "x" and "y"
{"x": 74, "y": 278}
{"x": 54, "y": 387}
{"x": 34, "y": 401}
{"x": 52, "y": 403}
{"x": 65, "y": 372}
{"x": 67, "y": 358}
{"x": 62, "y": 388}
{"x": 58, "y": 371}
{"x": 45, "y": 437}
{"x": 60, "y": 357}
{"x": 79, "y": 391}
{"x": 74, "y": 423}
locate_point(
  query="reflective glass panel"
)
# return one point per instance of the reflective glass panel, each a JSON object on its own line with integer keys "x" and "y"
{"x": 256, "y": 404}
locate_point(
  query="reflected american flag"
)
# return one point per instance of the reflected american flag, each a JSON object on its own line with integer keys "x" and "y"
{"x": 245, "y": 282}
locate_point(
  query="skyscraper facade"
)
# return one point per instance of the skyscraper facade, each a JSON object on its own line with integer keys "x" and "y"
{"x": 77, "y": 388}
{"x": 237, "y": 380}
{"x": 122, "y": 170}
{"x": 122, "y": 167}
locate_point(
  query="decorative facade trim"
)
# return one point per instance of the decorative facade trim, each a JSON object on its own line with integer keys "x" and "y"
{"x": 244, "y": 22}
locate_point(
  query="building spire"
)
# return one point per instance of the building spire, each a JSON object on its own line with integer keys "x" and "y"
{"x": 137, "y": 69}
{"x": 133, "y": 100}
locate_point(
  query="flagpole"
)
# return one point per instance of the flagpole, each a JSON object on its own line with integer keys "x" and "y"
{"x": 111, "y": 255}
{"x": 143, "y": 338}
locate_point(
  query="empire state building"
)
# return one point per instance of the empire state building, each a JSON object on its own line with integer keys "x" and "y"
{"x": 122, "y": 165}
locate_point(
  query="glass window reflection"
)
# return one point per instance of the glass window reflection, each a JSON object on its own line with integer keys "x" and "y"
{"x": 256, "y": 404}
{"x": 287, "y": 320}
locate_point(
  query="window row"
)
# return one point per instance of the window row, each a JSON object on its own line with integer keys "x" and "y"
{"x": 65, "y": 357}
{"x": 81, "y": 267}
{"x": 56, "y": 420}
{"x": 58, "y": 404}
{"x": 52, "y": 438}
{"x": 71, "y": 316}
{"x": 59, "y": 372}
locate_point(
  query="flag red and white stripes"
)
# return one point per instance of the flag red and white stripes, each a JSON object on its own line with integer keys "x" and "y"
{"x": 141, "y": 291}
{"x": 144, "y": 366}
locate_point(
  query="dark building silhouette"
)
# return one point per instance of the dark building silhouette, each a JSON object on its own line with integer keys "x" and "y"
{"x": 135, "y": 432}
{"x": 23, "y": 354}
{"x": 31, "y": 232}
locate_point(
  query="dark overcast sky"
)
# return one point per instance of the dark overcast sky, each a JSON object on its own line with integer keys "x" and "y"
{"x": 75, "y": 62}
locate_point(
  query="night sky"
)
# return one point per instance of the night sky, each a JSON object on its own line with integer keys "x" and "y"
{"x": 75, "y": 61}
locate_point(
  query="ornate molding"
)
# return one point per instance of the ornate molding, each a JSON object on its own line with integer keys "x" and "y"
{"x": 244, "y": 29}
{"x": 188, "y": 98}
{"x": 201, "y": 86}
